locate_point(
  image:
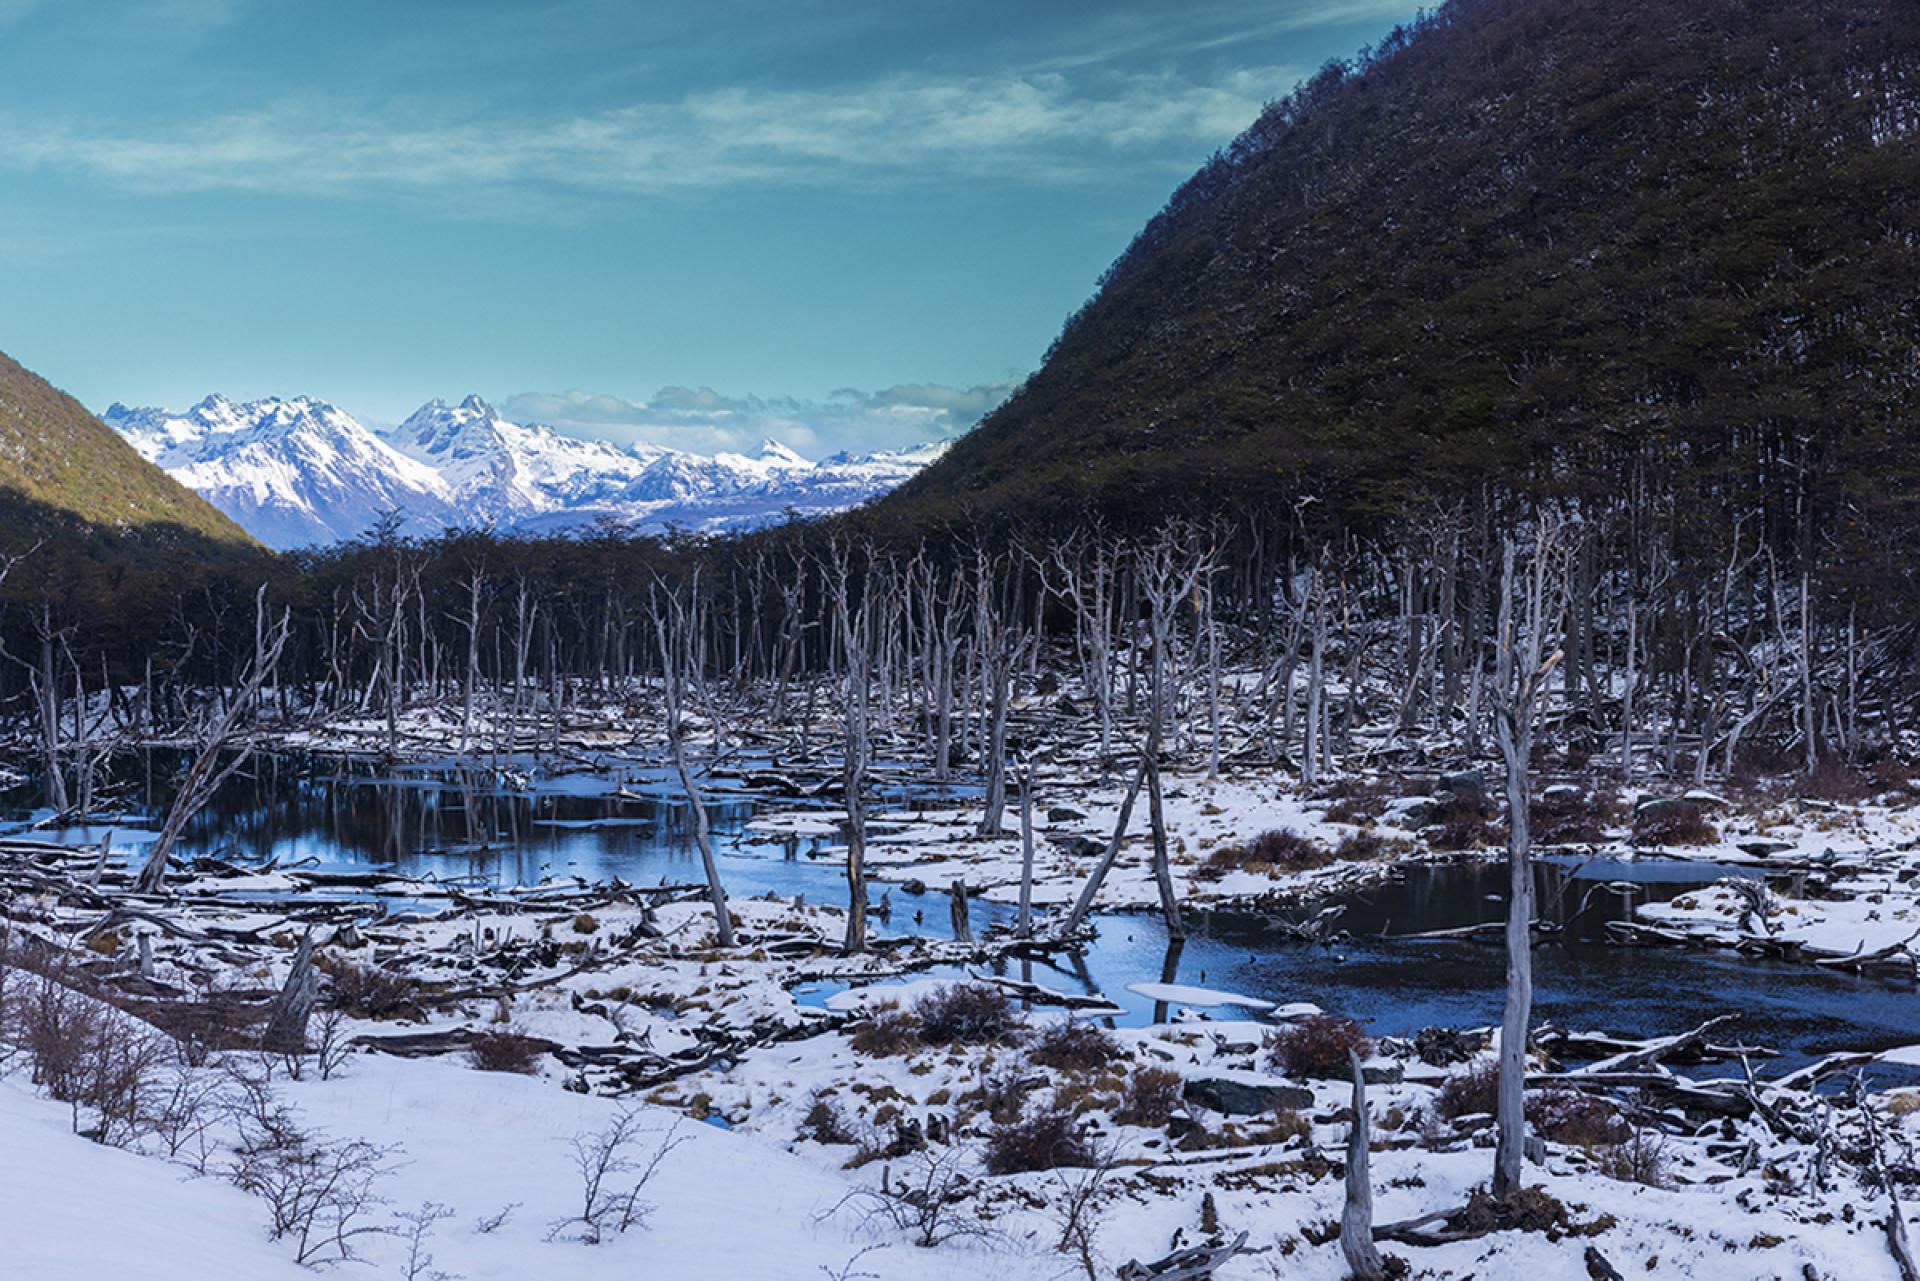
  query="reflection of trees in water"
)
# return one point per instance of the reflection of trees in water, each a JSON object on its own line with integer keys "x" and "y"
{"x": 351, "y": 811}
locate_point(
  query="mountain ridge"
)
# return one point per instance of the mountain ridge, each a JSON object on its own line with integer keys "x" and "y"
{"x": 299, "y": 471}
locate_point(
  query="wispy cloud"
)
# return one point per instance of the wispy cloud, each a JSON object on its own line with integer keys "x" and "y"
{"x": 1045, "y": 127}
{"x": 702, "y": 420}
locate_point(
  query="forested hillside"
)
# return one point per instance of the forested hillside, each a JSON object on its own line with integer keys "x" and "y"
{"x": 1580, "y": 248}
{"x": 64, "y": 473}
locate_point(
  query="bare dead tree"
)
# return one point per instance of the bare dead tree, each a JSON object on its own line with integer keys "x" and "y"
{"x": 670, "y": 628}
{"x": 218, "y": 735}
{"x": 1521, "y": 667}
{"x": 1026, "y": 849}
{"x": 855, "y": 626}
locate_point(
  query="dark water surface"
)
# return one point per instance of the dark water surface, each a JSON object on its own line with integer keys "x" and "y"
{"x": 524, "y": 824}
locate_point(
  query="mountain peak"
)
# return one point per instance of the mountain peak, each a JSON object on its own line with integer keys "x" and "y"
{"x": 774, "y": 451}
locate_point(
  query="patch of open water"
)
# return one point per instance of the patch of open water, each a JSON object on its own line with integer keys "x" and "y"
{"x": 628, "y": 820}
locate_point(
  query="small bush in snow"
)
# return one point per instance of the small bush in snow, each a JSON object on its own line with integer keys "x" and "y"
{"x": 1271, "y": 854}
{"x": 1074, "y": 1047}
{"x": 1571, "y": 818}
{"x": 370, "y": 992}
{"x": 966, "y": 1014}
{"x": 888, "y": 1031}
{"x": 1581, "y": 1120}
{"x": 927, "y": 1199}
{"x": 1640, "y": 1158}
{"x": 1151, "y": 1097}
{"x": 320, "y": 1193}
{"x": 826, "y": 1123}
{"x": 1473, "y": 1092}
{"x": 505, "y": 1052}
{"x": 1366, "y": 846}
{"x": 1043, "y": 1139}
{"x": 1680, "y": 823}
{"x": 1002, "y": 1094}
{"x": 1317, "y": 1046}
{"x": 611, "y": 1180}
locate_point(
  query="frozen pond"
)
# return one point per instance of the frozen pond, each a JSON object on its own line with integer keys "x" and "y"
{"x": 614, "y": 818}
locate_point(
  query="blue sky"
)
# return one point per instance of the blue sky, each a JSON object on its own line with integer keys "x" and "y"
{"x": 851, "y": 224}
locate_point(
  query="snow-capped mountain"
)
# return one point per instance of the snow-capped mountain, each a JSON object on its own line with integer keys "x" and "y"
{"x": 300, "y": 472}
{"x": 290, "y": 472}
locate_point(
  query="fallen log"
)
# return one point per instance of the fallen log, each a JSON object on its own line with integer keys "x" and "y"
{"x": 1647, "y": 1053}
{"x": 1192, "y": 1264}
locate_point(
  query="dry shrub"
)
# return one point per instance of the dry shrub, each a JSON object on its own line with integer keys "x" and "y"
{"x": 1354, "y": 801}
{"x": 1366, "y": 846}
{"x": 1464, "y": 821}
{"x": 1317, "y": 1046}
{"x": 1151, "y": 1097}
{"x": 1044, "y": 1139}
{"x": 369, "y": 991}
{"x": 1563, "y": 1116}
{"x": 966, "y": 1014}
{"x": 1581, "y": 1120}
{"x": 1680, "y": 823}
{"x": 1757, "y": 758}
{"x": 1001, "y": 1095}
{"x": 1640, "y": 1158}
{"x": 1075, "y": 1047}
{"x": 1270, "y": 853}
{"x": 888, "y": 1031}
{"x": 1473, "y": 1092}
{"x": 1833, "y": 779}
{"x": 105, "y": 1064}
{"x": 826, "y": 1123}
{"x": 1286, "y": 1125}
{"x": 320, "y": 1192}
{"x": 1570, "y": 818}
{"x": 1531, "y": 1209}
{"x": 505, "y": 1052}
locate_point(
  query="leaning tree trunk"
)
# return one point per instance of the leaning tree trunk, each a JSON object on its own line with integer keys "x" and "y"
{"x": 1091, "y": 889}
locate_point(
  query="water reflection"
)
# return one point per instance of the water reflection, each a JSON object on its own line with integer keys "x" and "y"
{"x": 615, "y": 817}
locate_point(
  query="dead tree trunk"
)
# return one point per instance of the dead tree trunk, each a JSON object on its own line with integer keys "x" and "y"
{"x": 1088, "y": 892}
{"x": 1520, "y": 671}
{"x": 206, "y": 774}
{"x": 1356, "y": 1219}
{"x": 1162, "y": 864}
{"x": 670, "y": 627}
{"x": 957, "y": 913}
{"x": 286, "y": 1031}
{"x": 1026, "y": 850}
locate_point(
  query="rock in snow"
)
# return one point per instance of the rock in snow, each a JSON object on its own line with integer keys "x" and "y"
{"x": 302, "y": 472}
